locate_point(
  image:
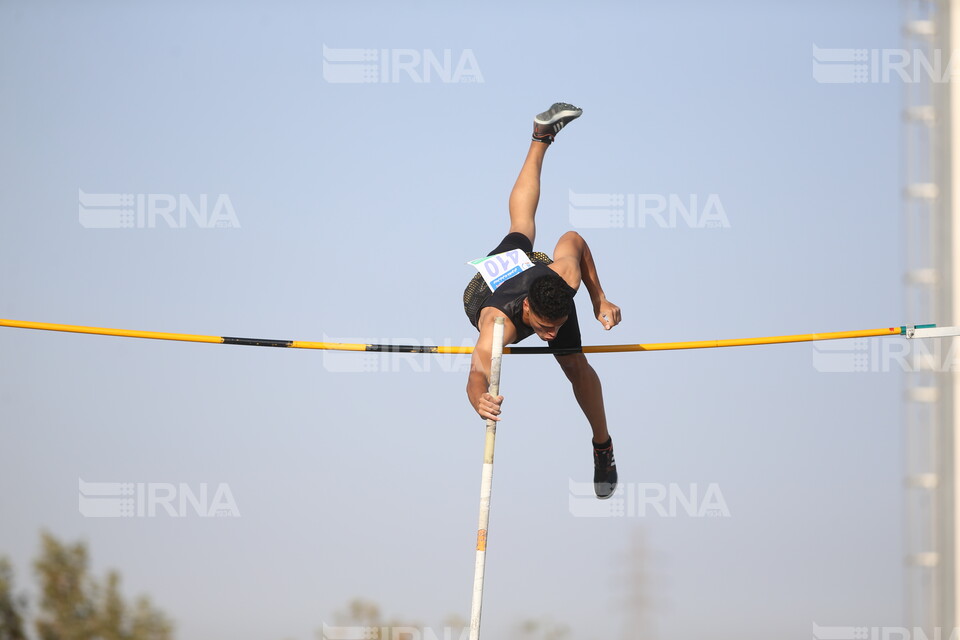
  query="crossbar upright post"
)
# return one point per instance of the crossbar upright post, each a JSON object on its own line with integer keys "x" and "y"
{"x": 486, "y": 483}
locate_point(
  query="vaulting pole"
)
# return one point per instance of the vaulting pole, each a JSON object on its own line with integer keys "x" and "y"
{"x": 486, "y": 484}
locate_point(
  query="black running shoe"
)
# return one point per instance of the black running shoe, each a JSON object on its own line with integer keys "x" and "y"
{"x": 548, "y": 124}
{"x": 604, "y": 470}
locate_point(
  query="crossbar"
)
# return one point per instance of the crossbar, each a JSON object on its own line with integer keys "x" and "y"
{"x": 918, "y": 331}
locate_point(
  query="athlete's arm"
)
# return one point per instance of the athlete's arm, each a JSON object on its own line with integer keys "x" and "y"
{"x": 478, "y": 381}
{"x": 573, "y": 261}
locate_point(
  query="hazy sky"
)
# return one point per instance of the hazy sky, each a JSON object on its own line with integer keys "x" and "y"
{"x": 348, "y": 211}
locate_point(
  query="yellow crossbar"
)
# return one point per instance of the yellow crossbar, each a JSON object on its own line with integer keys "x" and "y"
{"x": 338, "y": 346}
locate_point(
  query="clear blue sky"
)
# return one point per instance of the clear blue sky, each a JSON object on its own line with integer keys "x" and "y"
{"x": 358, "y": 205}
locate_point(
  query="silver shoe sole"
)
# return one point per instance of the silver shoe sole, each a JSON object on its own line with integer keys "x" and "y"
{"x": 558, "y": 111}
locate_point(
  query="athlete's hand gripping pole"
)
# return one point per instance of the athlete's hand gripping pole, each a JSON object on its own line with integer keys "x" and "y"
{"x": 486, "y": 482}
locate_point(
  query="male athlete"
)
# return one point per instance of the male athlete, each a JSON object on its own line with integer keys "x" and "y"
{"x": 540, "y": 300}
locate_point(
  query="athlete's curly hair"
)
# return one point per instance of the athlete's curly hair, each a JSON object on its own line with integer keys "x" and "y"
{"x": 550, "y": 297}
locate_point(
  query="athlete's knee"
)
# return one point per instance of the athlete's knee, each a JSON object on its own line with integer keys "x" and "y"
{"x": 574, "y": 365}
{"x": 528, "y": 230}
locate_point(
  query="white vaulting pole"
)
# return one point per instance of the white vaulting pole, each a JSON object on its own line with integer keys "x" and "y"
{"x": 486, "y": 483}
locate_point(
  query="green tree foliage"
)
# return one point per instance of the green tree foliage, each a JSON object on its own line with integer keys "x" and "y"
{"x": 66, "y": 592}
{"x": 12, "y": 607}
{"x": 75, "y": 606}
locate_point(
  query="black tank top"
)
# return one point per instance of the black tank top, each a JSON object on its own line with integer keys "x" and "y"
{"x": 510, "y": 295}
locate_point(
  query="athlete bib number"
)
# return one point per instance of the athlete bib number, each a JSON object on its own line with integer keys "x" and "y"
{"x": 499, "y": 268}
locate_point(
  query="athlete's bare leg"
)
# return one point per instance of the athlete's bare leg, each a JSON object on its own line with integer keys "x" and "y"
{"x": 588, "y": 392}
{"x": 526, "y": 192}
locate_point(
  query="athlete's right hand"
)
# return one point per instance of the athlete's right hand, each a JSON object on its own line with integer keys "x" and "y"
{"x": 489, "y": 407}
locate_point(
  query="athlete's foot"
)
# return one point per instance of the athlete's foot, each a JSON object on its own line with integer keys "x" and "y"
{"x": 604, "y": 469}
{"x": 547, "y": 124}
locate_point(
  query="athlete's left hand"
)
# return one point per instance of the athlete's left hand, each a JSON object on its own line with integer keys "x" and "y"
{"x": 607, "y": 313}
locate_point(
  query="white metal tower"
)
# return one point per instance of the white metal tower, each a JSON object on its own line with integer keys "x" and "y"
{"x": 932, "y": 279}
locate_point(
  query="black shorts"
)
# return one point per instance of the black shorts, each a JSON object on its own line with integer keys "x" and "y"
{"x": 569, "y": 335}
{"x": 511, "y": 241}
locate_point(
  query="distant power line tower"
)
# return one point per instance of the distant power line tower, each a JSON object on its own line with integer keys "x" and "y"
{"x": 931, "y": 145}
{"x": 637, "y": 622}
